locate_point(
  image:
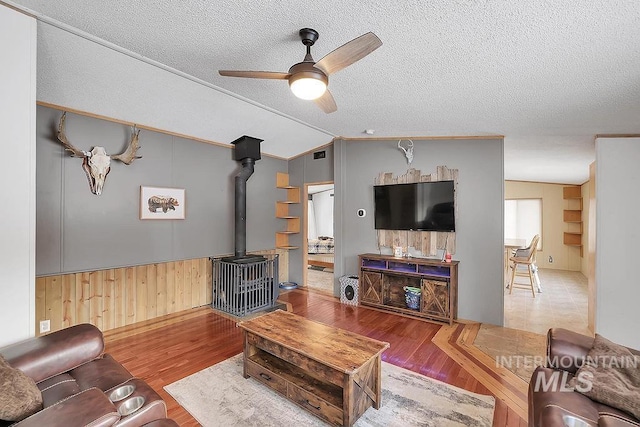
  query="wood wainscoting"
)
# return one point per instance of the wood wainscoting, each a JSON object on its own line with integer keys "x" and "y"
{"x": 117, "y": 297}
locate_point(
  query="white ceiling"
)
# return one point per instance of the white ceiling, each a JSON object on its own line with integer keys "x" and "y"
{"x": 547, "y": 74}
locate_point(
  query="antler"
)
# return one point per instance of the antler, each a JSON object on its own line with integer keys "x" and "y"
{"x": 408, "y": 152}
{"x": 129, "y": 154}
{"x": 401, "y": 147}
{"x": 63, "y": 139}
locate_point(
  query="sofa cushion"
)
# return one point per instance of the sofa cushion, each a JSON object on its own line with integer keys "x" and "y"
{"x": 103, "y": 373}
{"x": 19, "y": 394}
{"x": 611, "y": 376}
{"x": 57, "y": 388}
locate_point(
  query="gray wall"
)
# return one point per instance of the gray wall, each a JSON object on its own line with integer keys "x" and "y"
{"x": 480, "y": 201}
{"x": 305, "y": 169}
{"x": 79, "y": 231}
{"x": 618, "y": 234}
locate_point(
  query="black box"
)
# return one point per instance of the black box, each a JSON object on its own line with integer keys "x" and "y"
{"x": 246, "y": 146}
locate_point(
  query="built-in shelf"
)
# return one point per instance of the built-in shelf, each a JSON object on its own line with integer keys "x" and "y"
{"x": 292, "y": 225}
{"x": 573, "y": 217}
{"x": 287, "y": 247}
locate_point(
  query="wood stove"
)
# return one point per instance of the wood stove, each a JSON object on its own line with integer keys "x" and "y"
{"x": 243, "y": 288}
{"x": 243, "y": 283}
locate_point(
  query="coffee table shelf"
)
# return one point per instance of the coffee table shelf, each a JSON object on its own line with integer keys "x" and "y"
{"x": 290, "y": 373}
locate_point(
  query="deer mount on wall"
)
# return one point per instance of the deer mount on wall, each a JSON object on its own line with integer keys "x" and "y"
{"x": 97, "y": 163}
{"x": 408, "y": 152}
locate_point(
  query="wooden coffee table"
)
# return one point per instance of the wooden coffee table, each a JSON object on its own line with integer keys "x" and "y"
{"x": 332, "y": 373}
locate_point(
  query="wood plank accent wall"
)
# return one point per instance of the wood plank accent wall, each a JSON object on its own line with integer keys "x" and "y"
{"x": 428, "y": 242}
{"x": 117, "y": 297}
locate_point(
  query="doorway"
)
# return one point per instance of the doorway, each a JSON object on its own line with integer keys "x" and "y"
{"x": 560, "y": 287}
{"x": 318, "y": 239}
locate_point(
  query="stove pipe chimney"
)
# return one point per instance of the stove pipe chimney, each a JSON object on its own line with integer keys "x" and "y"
{"x": 247, "y": 151}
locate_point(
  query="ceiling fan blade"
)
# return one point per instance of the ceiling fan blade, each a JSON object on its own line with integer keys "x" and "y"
{"x": 349, "y": 53}
{"x": 326, "y": 102}
{"x": 255, "y": 74}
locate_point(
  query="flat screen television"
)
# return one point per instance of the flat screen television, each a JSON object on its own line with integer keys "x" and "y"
{"x": 423, "y": 206}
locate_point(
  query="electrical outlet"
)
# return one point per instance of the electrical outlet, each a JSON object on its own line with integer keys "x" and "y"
{"x": 45, "y": 326}
{"x": 550, "y": 259}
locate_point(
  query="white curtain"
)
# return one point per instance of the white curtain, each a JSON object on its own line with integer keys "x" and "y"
{"x": 523, "y": 219}
{"x": 323, "y": 206}
{"x": 312, "y": 233}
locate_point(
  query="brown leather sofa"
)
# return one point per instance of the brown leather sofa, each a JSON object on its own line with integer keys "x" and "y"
{"x": 551, "y": 405}
{"x": 76, "y": 377}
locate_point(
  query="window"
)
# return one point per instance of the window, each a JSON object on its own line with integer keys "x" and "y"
{"x": 523, "y": 219}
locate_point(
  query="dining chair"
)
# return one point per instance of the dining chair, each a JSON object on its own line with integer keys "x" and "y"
{"x": 525, "y": 258}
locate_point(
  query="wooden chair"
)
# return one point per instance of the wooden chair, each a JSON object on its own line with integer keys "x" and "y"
{"x": 526, "y": 258}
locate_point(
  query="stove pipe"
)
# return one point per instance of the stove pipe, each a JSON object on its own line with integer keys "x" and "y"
{"x": 247, "y": 151}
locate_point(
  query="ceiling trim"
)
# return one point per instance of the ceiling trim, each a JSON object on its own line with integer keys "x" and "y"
{"x": 541, "y": 182}
{"x": 144, "y": 127}
{"x": 313, "y": 150}
{"x": 617, "y": 135}
{"x": 90, "y": 37}
{"x": 418, "y": 138}
{"x": 19, "y": 9}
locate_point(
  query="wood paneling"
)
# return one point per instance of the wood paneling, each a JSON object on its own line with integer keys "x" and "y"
{"x": 68, "y": 301}
{"x": 428, "y": 242}
{"x": 108, "y": 302}
{"x": 117, "y": 297}
{"x": 124, "y": 296}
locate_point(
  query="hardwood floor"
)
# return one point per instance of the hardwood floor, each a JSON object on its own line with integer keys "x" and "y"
{"x": 174, "y": 347}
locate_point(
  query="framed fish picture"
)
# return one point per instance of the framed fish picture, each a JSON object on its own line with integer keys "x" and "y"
{"x": 162, "y": 203}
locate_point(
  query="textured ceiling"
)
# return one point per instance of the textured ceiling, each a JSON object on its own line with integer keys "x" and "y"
{"x": 547, "y": 74}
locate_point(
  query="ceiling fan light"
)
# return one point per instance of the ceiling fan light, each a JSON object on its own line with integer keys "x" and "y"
{"x": 308, "y": 87}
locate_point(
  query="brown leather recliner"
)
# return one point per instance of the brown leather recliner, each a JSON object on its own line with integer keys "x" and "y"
{"x": 76, "y": 377}
{"x": 551, "y": 404}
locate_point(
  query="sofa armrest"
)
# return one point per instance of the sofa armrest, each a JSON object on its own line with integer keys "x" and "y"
{"x": 90, "y": 407}
{"x": 49, "y": 355}
{"x": 566, "y": 349}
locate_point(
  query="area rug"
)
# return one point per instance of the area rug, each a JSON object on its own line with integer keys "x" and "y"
{"x": 220, "y": 396}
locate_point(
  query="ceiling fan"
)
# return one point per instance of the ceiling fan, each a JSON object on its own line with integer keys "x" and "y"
{"x": 309, "y": 79}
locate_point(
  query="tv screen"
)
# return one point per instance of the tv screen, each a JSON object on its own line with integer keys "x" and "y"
{"x": 424, "y": 206}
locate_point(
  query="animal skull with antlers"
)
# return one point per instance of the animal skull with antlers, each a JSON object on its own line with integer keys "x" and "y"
{"x": 97, "y": 163}
{"x": 408, "y": 152}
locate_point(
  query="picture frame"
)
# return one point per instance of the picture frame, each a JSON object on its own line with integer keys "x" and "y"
{"x": 162, "y": 203}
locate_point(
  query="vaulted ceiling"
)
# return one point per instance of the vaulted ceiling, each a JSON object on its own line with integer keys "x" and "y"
{"x": 548, "y": 75}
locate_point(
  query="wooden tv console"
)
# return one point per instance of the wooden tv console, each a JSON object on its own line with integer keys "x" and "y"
{"x": 383, "y": 278}
{"x": 332, "y": 373}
